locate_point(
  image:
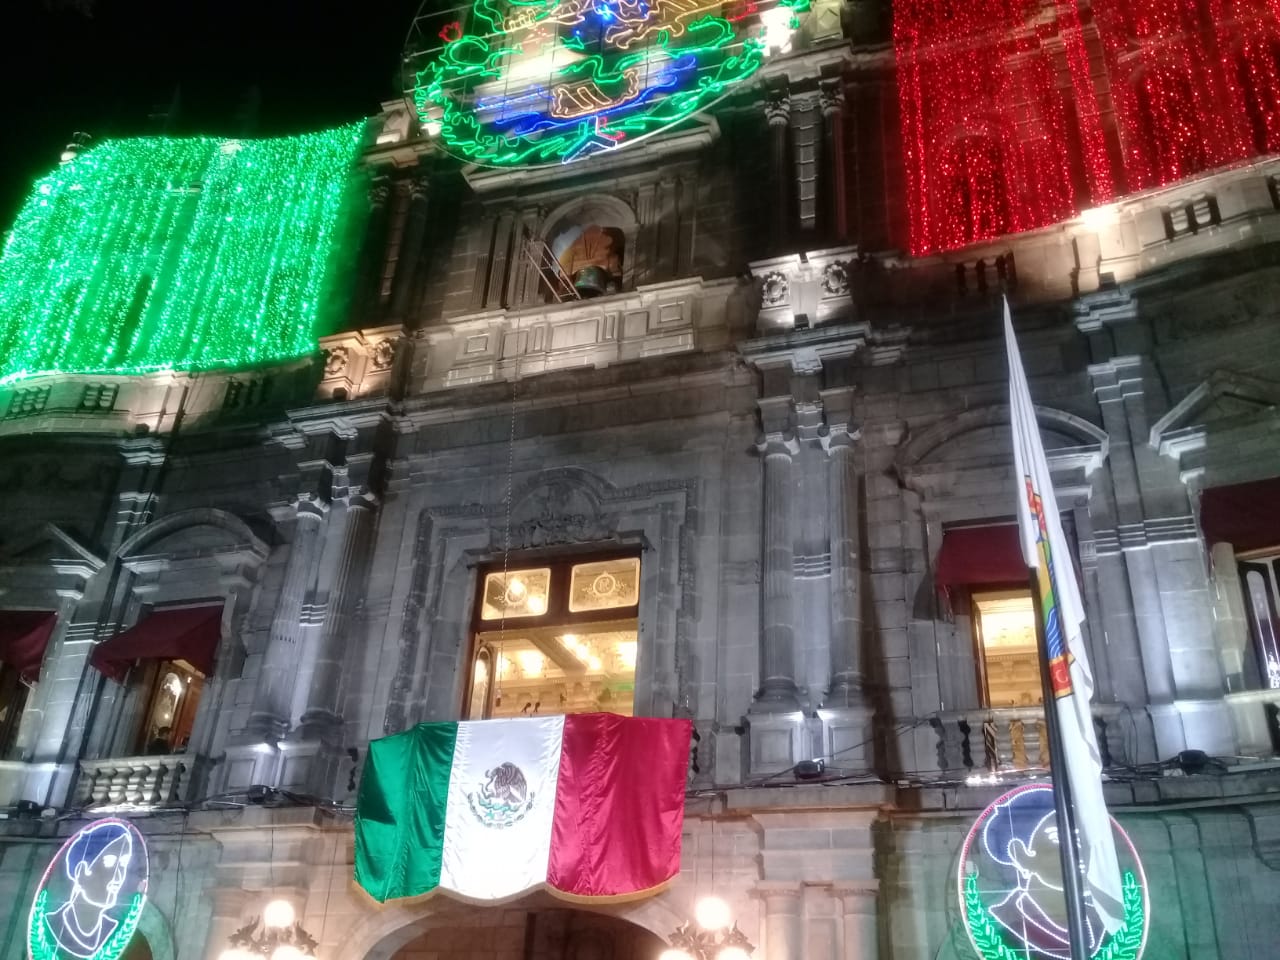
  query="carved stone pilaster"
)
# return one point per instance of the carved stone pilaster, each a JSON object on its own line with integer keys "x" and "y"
{"x": 323, "y": 711}
{"x": 845, "y": 689}
{"x": 784, "y": 925}
{"x": 270, "y": 717}
{"x": 374, "y": 248}
{"x": 778, "y": 112}
{"x": 778, "y": 691}
{"x": 407, "y": 262}
{"x": 831, "y": 187}
{"x": 860, "y": 915}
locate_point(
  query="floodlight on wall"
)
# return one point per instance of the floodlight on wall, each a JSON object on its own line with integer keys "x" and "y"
{"x": 712, "y": 935}
{"x": 275, "y": 935}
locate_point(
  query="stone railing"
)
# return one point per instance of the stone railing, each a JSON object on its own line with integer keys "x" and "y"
{"x": 1014, "y": 738}
{"x": 147, "y": 781}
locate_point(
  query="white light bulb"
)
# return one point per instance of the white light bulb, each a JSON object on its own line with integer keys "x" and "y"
{"x": 537, "y": 606}
{"x": 732, "y": 953}
{"x": 286, "y": 951}
{"x": 278, "y": 914}
{"x": 712, "y": 913}
{"x": 515, "y": 590}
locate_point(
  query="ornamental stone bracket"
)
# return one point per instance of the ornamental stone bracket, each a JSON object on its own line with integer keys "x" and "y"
{"x": 359, "y": 363}
{"x": 804, "y": 290}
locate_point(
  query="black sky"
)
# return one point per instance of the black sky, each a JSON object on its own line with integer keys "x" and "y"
{"x": 106, "y": 70}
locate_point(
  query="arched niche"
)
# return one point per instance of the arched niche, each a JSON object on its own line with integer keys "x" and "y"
{"x": 192, "y": 557}
{"x": 593, "y": 239}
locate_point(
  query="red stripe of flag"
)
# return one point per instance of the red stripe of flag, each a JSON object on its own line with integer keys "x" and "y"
{"x": 619, "y": 804}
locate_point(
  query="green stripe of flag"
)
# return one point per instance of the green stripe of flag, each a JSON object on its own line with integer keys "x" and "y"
{"x": 401, "y": 809}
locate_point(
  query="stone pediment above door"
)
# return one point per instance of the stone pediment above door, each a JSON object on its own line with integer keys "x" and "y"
{"x": 1224, "y": 399}
{"x": 46, "y": 559}
{"x": 1226, "y": 427}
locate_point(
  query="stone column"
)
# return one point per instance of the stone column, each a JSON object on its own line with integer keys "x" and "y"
{"x": 783, "y": 929}
{"x": 374, "y": 250}
{"x": 777, "y": 640}
{"x": 861, "y": 921}
{"x": 323, "y": 709}
{"x": 846, "y": 573}
{"x": 228, "y": 916}
{"x": 269, "y": 718}
{"x": 832, "y": 220}
{"x": 778, "y": 112}
{"x": 1230, "y": 623}
{"x": 415, "y": 230}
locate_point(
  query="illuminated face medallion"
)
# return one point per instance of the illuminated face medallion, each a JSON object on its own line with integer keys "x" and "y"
{"x": 525, "y": 83}
{"x": 91, "y": 896}
{"x": 1010, "y": 886}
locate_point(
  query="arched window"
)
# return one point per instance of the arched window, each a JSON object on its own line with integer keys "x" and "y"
{"x": 164, "y": 659}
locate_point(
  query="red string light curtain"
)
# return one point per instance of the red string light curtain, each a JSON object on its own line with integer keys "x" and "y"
{"x": 984, "y": 120}
{"x": 1195, "y": 83}
{"x": 1007, "y": 105}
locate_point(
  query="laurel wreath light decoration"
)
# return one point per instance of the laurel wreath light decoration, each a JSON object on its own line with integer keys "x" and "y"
{"x": 552, "y": 81}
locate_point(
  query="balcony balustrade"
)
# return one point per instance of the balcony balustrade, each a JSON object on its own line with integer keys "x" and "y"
{"x": 1008, "y": 739}
{"x": 145, "y": 781}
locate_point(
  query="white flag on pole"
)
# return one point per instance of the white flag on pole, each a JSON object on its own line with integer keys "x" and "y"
{"x": 1045, "y": 549}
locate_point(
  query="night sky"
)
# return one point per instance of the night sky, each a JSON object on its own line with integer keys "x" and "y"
{"x": 105, "y": 66}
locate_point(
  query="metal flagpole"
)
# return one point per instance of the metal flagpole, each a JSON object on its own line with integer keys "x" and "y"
{"x": 1068, "y": 846}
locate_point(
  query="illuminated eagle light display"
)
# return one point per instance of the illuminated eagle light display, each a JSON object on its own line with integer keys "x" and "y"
{"x": 509, "y": 83}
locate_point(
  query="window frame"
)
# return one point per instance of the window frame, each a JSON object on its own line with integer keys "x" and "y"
{"x": 557, "y": 613}
{"x": 1249, "y": 561}
{"x": 979, "y": 647}
{"x": 149, "y": 683}
{"x": 12, "y": 685}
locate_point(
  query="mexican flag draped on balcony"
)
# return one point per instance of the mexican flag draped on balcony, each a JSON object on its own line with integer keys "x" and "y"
{"x": 589, "y": 805}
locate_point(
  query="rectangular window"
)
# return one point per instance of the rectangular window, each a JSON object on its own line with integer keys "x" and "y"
{"x": 173, "y": 694}
{"x": 1004, "y": 630}
{"x": 13, "y": 700}
{"x": 568, "y": 643}
{"x": 516, "y": 593}
{"x": 605, "y": 585}
{"x": 24, "y": 637}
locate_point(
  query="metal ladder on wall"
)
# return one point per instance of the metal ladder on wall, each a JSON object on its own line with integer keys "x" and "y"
{"x": 549, "y": 270}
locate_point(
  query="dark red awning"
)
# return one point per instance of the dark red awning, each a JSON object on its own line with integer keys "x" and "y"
{"x": 1245, "y": 515}
{"x": 24, "y": 634}
{"x": 187, "y": 633}
{"x": 972, "y": 556}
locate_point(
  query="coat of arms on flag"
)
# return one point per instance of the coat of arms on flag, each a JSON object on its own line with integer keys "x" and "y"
{"x": 588, "y": 805}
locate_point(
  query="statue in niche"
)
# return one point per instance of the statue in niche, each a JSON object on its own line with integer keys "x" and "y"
{"x": 591, "y": 257}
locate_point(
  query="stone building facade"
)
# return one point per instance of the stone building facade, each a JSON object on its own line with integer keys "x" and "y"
{"x": 796, "y": 442}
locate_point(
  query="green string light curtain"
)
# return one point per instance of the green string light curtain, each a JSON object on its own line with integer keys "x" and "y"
{"x": 155, "y": 254}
